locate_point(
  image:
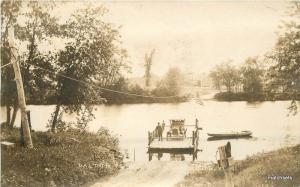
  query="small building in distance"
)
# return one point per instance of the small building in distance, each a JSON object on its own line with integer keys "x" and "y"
{"x": 203, "y": 81}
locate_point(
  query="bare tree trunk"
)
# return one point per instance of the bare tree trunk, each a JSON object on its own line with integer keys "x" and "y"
{"x": 147, "y": 79}
{"x": 14, "y": 115}
{"x": 148, "y": 64}
{"x": 54, "y": 122}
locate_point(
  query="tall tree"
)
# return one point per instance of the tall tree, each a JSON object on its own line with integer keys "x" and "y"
{"x": 9, "y": 14}
{"x": 237, "y": 80}
{"x": 252, "y": 76}
{"x": 37, "y": 26}
{"x": 148, "y": 65}
{"x": 171, "y": 84}
{"x": 225, "y": 74}
{"x": 174, "y": 80}
{"x": 40, "y": 27}
{"x": 215, "y": 75}
{"x": 92, "y": 55}
{"x": 285, "y": 59}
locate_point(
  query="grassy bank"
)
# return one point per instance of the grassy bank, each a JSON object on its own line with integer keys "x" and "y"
{"x": 258, "y": 170}
{"x": 242, "y": 96}
{"x": 70, "y": 158}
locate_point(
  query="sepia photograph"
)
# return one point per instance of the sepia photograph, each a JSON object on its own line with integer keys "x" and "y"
{"x": 140, "y": 93}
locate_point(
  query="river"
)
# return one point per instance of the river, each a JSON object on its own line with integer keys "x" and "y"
{"x": 268, "y": 121}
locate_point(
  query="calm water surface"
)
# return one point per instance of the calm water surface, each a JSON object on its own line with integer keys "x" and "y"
{"x": 268, "y": 121}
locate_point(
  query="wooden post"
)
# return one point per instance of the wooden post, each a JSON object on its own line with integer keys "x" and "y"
{"x": 223, "y": 159}
{"x": 224, "y": 163}
{"x": 149, "y": 138}
{"x": 22, "y": 141}
{"x": 29, "y": 119}
{"x": 228, "y": 178}
{"x": 160, "y": 155}
{"x": 193, "y": 138}
{"x": 196, "y": 143}
{"x": 20, "y": 89}
{"x": 150, "y": 156}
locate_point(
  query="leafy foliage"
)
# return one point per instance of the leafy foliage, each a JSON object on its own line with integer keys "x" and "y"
{"x": 226, "y": 75}
{"x": 36, "y": 26}
{"x": 285, "y": 58}
{"x": 54, "y": 161}
{"x": 92, "y": 57}
{"x": 252, "y": 76}
{"x": 8, "y": 86}
{"x": 171, "y": 84}
{"x": 165, "y": 88}
{"x": 278, "y": 80}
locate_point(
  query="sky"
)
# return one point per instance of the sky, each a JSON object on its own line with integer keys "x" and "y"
{"x": 194, "y": 36}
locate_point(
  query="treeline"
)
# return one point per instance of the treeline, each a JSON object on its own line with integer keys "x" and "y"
{"x": 246, "y": 78}
{"x": 83, "y": 55}
{"x": 87, "y": 53}
{"x": 276, "y": 76}
{"x": 90, "y": 53}
{"x": 122, "y": 91}
{"x": 251, "y": 81}
{"x": 167, "y": 90}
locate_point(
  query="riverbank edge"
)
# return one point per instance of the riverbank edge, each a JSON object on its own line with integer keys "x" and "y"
{"x": 71, "y": 158}
{"x": 275, "y": 168}
{"x": 242, "y": 96}
{"x": 170, "y": 99}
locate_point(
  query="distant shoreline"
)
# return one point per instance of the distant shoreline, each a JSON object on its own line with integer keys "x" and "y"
{"x": 179, "y": 99}
{"x": 260, "y": 97}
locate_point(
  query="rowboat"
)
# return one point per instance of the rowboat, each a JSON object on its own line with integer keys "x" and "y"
{"x": 231, "y": 134}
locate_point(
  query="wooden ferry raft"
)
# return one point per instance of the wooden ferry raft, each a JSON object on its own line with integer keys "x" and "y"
{"x": 174, "y": 140}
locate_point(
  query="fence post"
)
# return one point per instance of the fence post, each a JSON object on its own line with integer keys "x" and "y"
{"x": 29, "y": 119}
{"x": 20, "y": 89}
{"x": 149, "y": 138}
{"x": 193, "y": 138}
{"x": 225, "y": 155}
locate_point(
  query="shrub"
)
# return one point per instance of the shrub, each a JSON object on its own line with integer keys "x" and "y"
{"x": 69, "y": 158}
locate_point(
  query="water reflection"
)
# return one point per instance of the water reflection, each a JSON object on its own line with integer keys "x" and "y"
{"x": 268, "y": 121}
{"x": 168, "y": 156}
{"x": 177, "y": 157}
{"x": 228, "y": 138}
{"x": 254, "y": 104}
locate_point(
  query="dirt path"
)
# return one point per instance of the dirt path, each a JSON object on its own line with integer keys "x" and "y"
{"x": 151, "y": 174}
